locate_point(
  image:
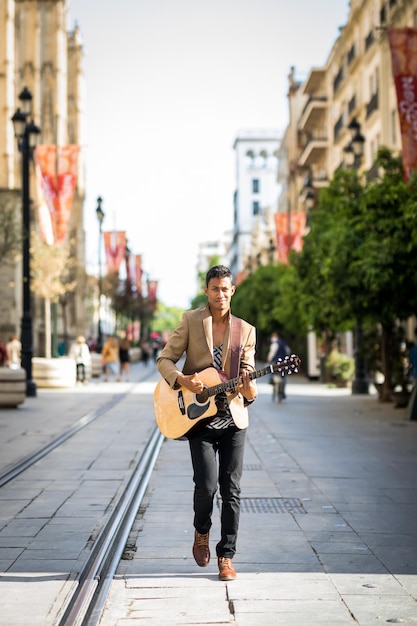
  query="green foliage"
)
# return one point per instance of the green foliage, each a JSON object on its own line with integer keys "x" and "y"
{"x": 166, "y": 318}
{"x": 198, "y": 301}
{"x": 339, "y": 366}
{"x": 357, "y": 262}
{"x": 11, "y": 235}
{"x": 270, "y": 300}
{"x": 51, "y": 269}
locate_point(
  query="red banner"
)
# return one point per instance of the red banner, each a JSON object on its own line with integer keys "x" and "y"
{"x": 403, "y": 45}
{"x": 115, "y": 247}
{"x": 56, "y": 175}
{"x": 289, "y": 233}
{"x": 152, "y": 289}
{"x": 138, "y": 273}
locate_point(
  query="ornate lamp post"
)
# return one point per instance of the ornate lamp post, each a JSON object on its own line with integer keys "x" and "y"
{"x": 100, "y": 218}
{"x": 27, "y": 135}
{"x": 353, "y": 155}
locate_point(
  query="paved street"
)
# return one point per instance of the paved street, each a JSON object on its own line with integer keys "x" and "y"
{"x": 328, "y": 525}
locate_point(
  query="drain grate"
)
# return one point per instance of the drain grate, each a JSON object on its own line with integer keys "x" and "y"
{"x": 271, "y": 505}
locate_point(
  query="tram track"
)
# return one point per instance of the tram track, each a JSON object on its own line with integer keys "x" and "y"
{"x": 14, "y": 470}
{"x": 115, "y": 508}
{"x": 28, "y": 461}
{"x": 93, "y": 582}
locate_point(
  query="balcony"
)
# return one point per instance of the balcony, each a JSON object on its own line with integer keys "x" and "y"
{"x": 313, "y": 112}
{"x": 313, "y": 147}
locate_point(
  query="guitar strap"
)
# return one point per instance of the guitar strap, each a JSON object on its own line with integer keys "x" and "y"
{"x": 235, "y": 340}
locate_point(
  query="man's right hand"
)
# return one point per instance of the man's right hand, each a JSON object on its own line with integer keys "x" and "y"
{"x": 192, "y": 382}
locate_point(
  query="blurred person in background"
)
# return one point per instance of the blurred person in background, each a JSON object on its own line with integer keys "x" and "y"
{"x": 80, "y": 352}
{"x": 124, "y": 357}
{"x": 14, "y": 352}
{"x": 110, "y": 358}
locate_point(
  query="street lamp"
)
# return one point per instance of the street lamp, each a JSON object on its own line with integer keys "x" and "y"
{"x": 27, "y": 134}
{"x": 100, "y": 217}
{"x": 354, "y": 154}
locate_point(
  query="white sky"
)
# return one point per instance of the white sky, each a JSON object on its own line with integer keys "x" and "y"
{"x": 168, "y": 86}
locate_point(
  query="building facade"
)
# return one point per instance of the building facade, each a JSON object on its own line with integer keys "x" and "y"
{"x": 38, "y": 52}
{"x": 352, "y": 95}
{"x": 355, "y": 85}
{"x": 255, "y": 198}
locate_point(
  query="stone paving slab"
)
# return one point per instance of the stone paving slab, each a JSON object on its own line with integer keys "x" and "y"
{"x": 49, "y": 514}
{"x": 347, "y": 556}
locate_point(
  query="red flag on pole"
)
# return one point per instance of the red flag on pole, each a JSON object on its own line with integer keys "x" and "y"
{"x": 403, "y": 45}
{"x": 289, "y": 233}
{"x": 56, "y": 174}
{"x": 115, "y": 247}
{"x": 152, "y": 288}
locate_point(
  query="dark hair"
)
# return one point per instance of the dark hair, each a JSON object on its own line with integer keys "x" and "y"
{"x": 218, "y": 271}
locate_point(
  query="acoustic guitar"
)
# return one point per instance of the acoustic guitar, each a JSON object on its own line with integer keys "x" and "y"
{"x": 178, "y": 411}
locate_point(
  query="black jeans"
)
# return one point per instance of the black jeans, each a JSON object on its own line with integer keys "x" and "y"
{"x": 80, "y": 372}
{"x": 229, "y": 445}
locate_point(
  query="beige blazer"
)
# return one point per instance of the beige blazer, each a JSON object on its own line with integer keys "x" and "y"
{"x": 194, "y": 338}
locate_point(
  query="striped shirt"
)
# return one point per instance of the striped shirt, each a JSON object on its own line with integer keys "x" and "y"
{"x": 223, "y": 418}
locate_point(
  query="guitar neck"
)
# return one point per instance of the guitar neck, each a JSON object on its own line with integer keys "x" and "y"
{"x": 229, "y": 385}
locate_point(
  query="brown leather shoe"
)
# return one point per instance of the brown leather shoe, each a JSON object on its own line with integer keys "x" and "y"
{"x": 226, "y": 569}
{"x": 201, "y": 550}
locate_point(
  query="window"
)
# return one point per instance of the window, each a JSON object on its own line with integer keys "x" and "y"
{"x": 256, "y": 208}
{"x": 255, "y": 185}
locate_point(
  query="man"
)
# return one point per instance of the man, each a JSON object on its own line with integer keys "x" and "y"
{"x": 278, "y": 349}
{"x": 206, "y": 336}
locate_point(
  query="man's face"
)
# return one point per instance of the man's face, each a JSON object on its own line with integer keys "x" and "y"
{"x": 219, "y": 293}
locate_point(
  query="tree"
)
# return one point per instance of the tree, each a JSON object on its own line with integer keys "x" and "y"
{"x": 269, "y": 299}
{"x": 386, "y": 258}
{"x": 358, "y": 264}
{"x": 11, "y": 235}
{"x": 166, "y": 318}
{"x": 51, "y": 269}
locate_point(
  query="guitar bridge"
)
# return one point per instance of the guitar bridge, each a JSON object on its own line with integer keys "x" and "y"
{"x": 181, "y": 404}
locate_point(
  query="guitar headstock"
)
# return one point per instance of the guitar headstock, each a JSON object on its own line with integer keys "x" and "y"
{"x": 286, "y": 366}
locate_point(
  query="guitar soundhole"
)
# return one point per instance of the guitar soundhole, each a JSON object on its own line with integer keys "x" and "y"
{"x": 203, "y": 396}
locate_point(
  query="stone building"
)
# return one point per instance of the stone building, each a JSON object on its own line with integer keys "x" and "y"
{"x": 38, "y": 52}
{"x": 255, "y": 200}
{"x": 355, "y": 86}
{"x": 352, "y": 98}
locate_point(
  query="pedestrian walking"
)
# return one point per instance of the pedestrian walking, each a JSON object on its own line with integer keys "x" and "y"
{"x": 278, "y": 350}
{"x": 110, "y": 357}
{"x": 80, "y": 352}
{"x": 207, "y": 336}
{"x": 124, "y": 356}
